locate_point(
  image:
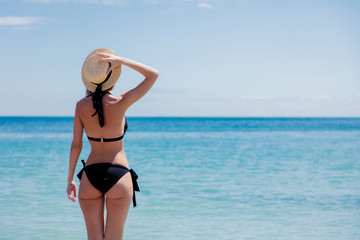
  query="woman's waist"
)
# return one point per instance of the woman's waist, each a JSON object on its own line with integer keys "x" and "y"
{"x": 107, "y": 157}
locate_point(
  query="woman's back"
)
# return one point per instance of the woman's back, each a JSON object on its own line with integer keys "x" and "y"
{"x": 114, "y": 127}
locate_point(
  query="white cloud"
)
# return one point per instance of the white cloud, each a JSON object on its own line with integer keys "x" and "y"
{"x": 46, "y": 1}
{"x": 19, "y": 21}
{"x": 122, "y": 2}
{"x": 204, "y": 5}
{"x": 106, "y": 2}
{"x": 323, "y": 97}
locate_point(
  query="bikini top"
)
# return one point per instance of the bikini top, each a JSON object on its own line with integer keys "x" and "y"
{"x": 110, "y": 139}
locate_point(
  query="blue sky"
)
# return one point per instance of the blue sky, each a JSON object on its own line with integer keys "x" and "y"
{"x": 215, "y": 57}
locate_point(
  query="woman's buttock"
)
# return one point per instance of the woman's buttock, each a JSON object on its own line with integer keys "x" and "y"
{"x": 109, "y": 179}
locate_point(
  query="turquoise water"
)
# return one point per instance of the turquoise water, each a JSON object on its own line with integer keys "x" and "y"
{"x": 200, "y": 178}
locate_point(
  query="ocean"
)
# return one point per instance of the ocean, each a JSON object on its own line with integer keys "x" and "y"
{"x": 200, "y": 178}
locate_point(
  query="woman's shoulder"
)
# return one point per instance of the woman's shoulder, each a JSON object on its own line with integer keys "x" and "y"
{"x": 119, "y": 97}
{"x": 82, "y": 103}
{"x": 86, "y": 103}
{"x": 114, "y": 99}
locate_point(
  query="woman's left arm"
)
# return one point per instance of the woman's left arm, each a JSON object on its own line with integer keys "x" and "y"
{"x": 75, "y": 151}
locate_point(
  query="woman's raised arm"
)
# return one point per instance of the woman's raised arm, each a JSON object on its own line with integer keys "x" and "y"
{"x": 140, "y": 90}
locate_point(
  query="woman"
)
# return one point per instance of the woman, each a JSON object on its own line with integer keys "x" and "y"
{"x": 106, "y": 178}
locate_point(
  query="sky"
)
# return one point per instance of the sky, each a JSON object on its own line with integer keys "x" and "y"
{"x": 219, "y": 58}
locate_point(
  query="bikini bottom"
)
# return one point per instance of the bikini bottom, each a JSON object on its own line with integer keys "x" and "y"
{"x": 105, "y": 175}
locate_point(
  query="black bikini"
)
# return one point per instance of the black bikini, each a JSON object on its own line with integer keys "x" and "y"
{"x": 103, "y": 176}
{"x": 110, "y": 139}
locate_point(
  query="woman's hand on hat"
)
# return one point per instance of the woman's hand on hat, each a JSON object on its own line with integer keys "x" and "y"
{"x": 112, "y": 59}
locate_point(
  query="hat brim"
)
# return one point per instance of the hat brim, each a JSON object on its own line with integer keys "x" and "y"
{"x": 91, "y": 64}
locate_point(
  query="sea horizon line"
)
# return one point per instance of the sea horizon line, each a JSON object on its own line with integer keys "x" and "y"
{"x": 188, "y": 116}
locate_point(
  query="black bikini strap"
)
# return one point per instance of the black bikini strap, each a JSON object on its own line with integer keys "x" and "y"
{"x": 82, "y": 170}
{"x": 110, "y": 139}
{"x": 134, "y": 178}
{"x": 106, "y": 139}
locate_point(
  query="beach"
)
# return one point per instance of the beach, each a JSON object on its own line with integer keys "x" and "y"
{"x": 200, "y": 178}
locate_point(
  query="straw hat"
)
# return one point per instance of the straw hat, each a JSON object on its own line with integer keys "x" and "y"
{"x": 93, "y": 73}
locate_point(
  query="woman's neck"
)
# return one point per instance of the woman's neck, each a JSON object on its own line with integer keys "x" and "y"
{"x": 88, "y": 93}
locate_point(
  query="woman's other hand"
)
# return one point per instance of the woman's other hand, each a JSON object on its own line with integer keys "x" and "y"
{"x": 71, "y": 187}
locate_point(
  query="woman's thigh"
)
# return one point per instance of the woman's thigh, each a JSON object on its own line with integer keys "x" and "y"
{"x": 118, "y": 200}
{"x": 92, "y": 205}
